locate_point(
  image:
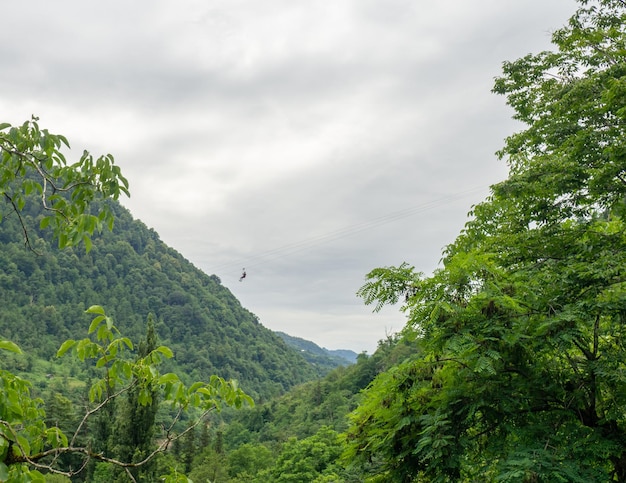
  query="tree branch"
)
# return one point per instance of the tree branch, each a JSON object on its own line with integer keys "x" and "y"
{"x": 34, "y": 460}
{"x": 21, "y": 220}
{"x": 90, "y": 412}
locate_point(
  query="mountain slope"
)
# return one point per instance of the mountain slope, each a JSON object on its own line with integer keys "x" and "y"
{"x": 319, "y": 355}
{"x": 131, "y": 272}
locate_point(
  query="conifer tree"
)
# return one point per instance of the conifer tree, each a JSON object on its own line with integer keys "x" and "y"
{"x": 134, "y": 431}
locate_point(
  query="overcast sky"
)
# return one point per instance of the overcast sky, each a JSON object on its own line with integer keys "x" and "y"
{"x": 308, "y": 141}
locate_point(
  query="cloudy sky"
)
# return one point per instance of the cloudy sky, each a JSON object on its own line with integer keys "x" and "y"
{"x": 308, "y": 141}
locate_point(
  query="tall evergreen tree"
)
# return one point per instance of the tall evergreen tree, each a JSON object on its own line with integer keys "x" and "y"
{"x": 189, "y": 449}
{"x": 134, "y": 432}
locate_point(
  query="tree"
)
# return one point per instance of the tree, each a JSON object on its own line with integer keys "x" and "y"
{"x": 32, "y": 163}
{"x": 306, "y": 460}
{"x": 248, "y": 460}
{"x": 134, "y": 434}
{"x": 522, "y": 374}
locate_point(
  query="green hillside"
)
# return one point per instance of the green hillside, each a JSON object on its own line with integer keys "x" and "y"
{"x": 324, "y": 358}
{"x": 303, "y": 410}
{"x": 132, "y": 273}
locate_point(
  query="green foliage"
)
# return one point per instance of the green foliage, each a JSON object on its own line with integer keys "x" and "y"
{"x": 52, "y": 478}
{"x": 388, "y": 285}
{"x": 33, "y": 164}
{"x": 133, "y": 431}
{"x": 522, "y": 374}
{"x": 258, "y": 442}
{"x": 248, "y": 460}
{"x": 28, "y": 442}
{"x": 306, "y": 408}
{"x": 308, "y": 460}
{"x": 254, "y": 444}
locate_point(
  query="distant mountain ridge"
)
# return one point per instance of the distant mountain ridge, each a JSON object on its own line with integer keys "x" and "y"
{"x": 317, "y": 354}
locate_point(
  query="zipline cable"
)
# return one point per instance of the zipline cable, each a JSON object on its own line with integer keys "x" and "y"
{"x": 299, "y": 246}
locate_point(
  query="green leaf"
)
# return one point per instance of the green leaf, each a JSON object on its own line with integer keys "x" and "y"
{"x": 95, "y": 323}
{"x": 4, "y": 447}
{"x": 103, "y": 333}
{"x": 195, "y": 386}
{"x": 36, "y": 477}
{"x": 25, "y": 445}
{"x": 45, "y": 221}
{"x": 166, "y": 351}
{"x": 87, "y": 242}
{"x": 95, "y": 309}
{"x": 103, "y": 361}
{"x": 10, "y": 346}
{"x": 127, "y": 370}
{"x": 169, "y": 378}
{"x": 67, "y": 345}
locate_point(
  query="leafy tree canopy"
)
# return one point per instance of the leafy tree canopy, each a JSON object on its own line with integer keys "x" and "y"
{"x": 33, "y": 162}
{"x": 522, "y": 374}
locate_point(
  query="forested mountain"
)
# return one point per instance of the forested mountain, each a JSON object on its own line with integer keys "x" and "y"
{"x": 132, "y": 273}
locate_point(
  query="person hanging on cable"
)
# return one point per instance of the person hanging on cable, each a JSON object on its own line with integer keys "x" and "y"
{"x": 243, "y": 275}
